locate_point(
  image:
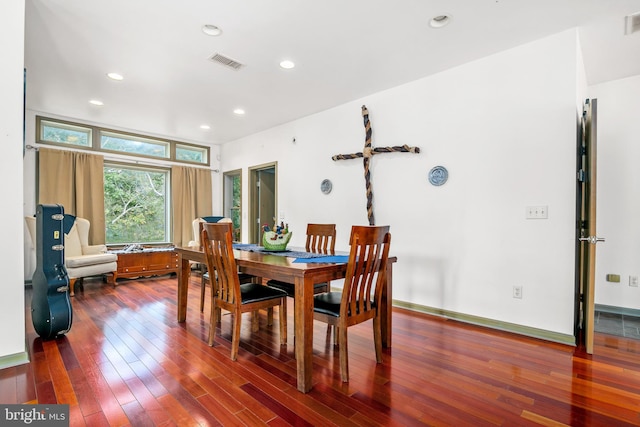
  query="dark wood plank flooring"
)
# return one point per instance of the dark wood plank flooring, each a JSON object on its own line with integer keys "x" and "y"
{"x": 127, "y": 362}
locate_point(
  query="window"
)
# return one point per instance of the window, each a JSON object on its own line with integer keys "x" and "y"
{"x": 134, "y": 145}
{"x": 192, "y": 153}
{"x": 58, "y": 132}
{"x": 136, "y": 204}
{"x": 64, "y": 133}
{"x": 137, "y": 198}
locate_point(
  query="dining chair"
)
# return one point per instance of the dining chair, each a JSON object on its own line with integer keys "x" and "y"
{"x": 321, "y": 239}
{"x": 227, "y": 292}
{"x": 204, "y": 273}
{"x": 359, "y": 300}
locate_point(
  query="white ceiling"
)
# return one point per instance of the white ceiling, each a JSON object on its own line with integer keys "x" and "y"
{"x": 344, "y": 50}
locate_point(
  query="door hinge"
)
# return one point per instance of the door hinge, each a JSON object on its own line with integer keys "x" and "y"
{"x": 581, "y": 175}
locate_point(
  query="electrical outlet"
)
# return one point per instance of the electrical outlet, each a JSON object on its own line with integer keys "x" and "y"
{"x": 517, "y": 292}
{"x": 633, "y": 281}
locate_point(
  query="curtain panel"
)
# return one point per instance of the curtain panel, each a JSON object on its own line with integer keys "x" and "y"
{"x": 74, "y": 180}
{"x": 191, "y": 198}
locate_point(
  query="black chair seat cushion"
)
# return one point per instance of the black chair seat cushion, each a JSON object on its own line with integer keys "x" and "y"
{"x": 328, "y": 303}
{"x": 290, "y": 288}
{"x": 253, "y": 292}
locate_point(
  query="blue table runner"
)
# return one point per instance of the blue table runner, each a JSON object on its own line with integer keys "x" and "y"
{"x": 301, "y": 256}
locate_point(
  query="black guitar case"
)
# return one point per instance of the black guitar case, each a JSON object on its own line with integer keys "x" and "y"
{"x": 50, "y": 304}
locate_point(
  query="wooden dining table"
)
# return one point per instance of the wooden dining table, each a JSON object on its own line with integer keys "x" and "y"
{"x": 303, "y": 276}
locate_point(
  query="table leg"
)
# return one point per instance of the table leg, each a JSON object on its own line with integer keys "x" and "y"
{"x": 303, "y": 320}
{"x": 386, "y": 304}
{"x": 183, "y": 287}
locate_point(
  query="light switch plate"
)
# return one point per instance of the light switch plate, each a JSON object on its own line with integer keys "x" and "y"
{"x": 537, "y": 212}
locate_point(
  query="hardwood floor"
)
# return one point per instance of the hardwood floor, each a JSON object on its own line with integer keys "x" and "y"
{"x": 126, "y": 361}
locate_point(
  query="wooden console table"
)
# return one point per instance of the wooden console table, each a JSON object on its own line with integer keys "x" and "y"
{"x": 148, "y": 262}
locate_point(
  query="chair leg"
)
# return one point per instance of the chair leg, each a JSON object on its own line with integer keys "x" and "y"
{"x": 344, "y": 353}
{"x": 282, "y": 311}
{"x": 72, "y": 285}
{"x": 255, "y": 321}
{"x": 327, "y": 288}
{"x": 213, "y": 321}
{"x": 235, "y": 335}
{"x": 377, "y": 338}
{"x": 216, "y": 311}
{"x": 203, "y": 285}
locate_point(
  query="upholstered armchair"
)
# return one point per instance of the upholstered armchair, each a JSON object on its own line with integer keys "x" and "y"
{"x": 195, "y": 224}
{"x": 81, "y": 259}
{"x": 197, "y": 228}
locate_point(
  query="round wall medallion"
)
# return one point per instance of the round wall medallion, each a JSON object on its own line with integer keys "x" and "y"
{"x": 438, "y": 175}
{"x": 326, "y": 186}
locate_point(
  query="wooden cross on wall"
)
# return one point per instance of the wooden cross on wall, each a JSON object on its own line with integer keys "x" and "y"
{"x": 366, "y": 155}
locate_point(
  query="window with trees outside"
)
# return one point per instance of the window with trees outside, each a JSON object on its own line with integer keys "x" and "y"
{"x": 87, "y": 137}
{"x": 136, "y": 204}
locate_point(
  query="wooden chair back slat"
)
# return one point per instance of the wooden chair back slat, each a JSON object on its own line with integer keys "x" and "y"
{"x": 366, "y": 272}
{"x": 218, "y": 248}
{"x": 321, "y": 238}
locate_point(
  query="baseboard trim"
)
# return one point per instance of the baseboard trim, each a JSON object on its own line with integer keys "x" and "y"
{"x": 490, "y": 323}
{"x": 14, "y": 360}
{"x": 617, "y": 310}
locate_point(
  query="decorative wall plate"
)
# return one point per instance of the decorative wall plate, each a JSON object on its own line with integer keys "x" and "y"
{"x": 326, "y": 186}
{"x": 438, "y": 175}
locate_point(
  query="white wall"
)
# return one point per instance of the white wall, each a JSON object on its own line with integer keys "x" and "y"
{"x": 618, "y": 199}
{"x": 12, "y": 344}
{"x": 505, "y": 128}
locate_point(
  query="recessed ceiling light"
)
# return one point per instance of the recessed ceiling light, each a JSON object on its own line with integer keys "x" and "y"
{"x": 440, "y": 21}
{"x": 115, "y": 76}
{"x": 211, "y": 30}
{"x": 238, "y": 111}
{"x": 205, "y": 127}
{"x": 287, "y": 65}
{"x": 96, "y": 102}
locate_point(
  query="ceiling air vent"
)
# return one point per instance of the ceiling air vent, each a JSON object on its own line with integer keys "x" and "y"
{"x": 227, "y": 62}
{"x": 632, "y": 23}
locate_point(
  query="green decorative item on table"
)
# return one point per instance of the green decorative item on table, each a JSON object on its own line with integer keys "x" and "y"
{"x": 276, "y": 240}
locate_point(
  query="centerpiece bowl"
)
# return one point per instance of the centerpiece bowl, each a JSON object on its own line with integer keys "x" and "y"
{"x": 272, "y": 241}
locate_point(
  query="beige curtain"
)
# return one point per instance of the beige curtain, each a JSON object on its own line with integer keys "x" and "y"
{"x": 74, "y": 180}
{"x": 191, "y": 199}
